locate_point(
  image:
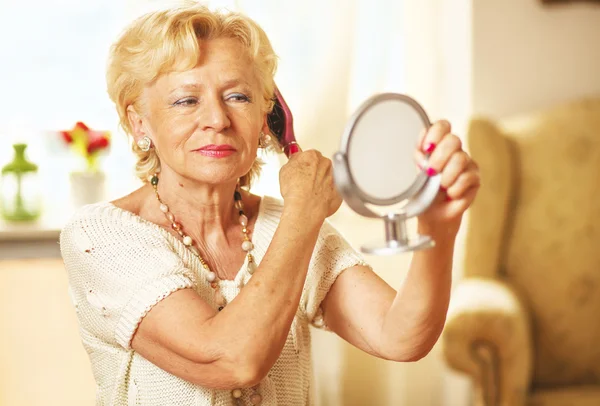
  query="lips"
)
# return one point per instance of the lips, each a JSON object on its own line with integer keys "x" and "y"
{"x": 216, "y": 151}
{"x": 213, "y": 147}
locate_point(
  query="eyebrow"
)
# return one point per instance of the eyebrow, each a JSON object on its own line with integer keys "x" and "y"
{"x": 199, "y": 86}
{"x": 188, "y": 86}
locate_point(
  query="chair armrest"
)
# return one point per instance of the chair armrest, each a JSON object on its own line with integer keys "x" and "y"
{"x": 488, "y": 336}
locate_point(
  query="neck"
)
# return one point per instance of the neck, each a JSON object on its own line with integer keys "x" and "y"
{"x": 205, "y": 211}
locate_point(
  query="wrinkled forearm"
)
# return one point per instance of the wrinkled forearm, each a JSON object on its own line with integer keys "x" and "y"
{"x": 416, "y": 317}
{"x": 254, "y": 327}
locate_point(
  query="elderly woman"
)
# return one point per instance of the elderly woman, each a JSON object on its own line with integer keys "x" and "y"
{"x": 193, "y": 291}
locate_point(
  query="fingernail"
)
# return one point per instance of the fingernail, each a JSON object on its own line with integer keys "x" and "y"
{"x": 444, "y": 189}
{"x": 430, "y": 147}
{"x": 448, "y": 198}
{"x": 293, "y": 149}
{"x": 431, "y": 172}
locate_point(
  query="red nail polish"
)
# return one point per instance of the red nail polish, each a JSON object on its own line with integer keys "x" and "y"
{"x": 430, "y": 148}
{"x": 448, "y": 198}
{"x": 431, "y": 172}
{"x": 293, "y": 149}
{"x": 443, "y": 189}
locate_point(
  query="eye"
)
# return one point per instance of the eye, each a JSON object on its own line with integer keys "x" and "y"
{"x": 238, "y": 97}
{"x": 188, "y": 101}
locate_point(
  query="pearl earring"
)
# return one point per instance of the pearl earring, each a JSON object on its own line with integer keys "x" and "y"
{"x": 264, "y": 140}
{"x": 145, "y": 144}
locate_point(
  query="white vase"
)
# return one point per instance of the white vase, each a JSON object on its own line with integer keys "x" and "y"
{"x": 87, "y": 187}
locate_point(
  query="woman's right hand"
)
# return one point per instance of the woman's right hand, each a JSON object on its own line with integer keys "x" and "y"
{"x": 306, "y": 183}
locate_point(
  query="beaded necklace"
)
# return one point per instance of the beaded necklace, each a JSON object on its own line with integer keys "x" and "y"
{"x": 211, "y": 277}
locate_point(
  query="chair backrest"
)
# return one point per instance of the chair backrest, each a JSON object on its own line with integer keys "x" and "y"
{"x": 536, "y": 225}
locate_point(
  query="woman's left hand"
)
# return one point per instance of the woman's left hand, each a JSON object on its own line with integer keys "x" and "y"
{"x": 459, "y": 177}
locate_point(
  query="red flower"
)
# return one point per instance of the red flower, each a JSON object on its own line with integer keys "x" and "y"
{"x": 67, "y": 136}
{"x": 86, "y": 141}
{"x": 97, "y": 142}
{"x": 82, "y": 126}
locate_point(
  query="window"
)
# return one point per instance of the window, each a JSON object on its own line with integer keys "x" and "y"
{"x": 52, "y": 75}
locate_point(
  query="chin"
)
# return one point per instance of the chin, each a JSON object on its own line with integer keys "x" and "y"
{"x": 216, "y": 177}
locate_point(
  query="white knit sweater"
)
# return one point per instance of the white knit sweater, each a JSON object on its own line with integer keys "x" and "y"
{"x": 120, "y": 265}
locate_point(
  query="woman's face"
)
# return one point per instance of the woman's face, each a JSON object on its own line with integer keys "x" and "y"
{"x": 205, "y": 122}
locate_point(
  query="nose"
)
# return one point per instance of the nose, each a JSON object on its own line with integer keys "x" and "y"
{"x": 214, "y": 115}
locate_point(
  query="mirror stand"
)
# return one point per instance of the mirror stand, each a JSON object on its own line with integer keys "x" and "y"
{"x": 396, "y": 238}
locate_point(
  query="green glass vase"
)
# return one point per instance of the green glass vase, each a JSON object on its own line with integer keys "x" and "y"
{"x": 20, "y": 198}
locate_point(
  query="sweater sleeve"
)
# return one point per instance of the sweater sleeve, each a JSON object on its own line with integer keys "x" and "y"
{"x": 119, "y": 266}
{"x": 332, "y": 255}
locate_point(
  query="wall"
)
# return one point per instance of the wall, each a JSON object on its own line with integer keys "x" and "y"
{"x": 42, "y": 360}
{"x": 527, "y": 56}
{"x": 510, "y": 57}
{"x": 496, "y": 58}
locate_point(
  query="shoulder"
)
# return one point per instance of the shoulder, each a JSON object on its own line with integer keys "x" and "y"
{"x": 105, "y": 217}
{"x": 105, "y": 245}
{"x": 102, "y": 224}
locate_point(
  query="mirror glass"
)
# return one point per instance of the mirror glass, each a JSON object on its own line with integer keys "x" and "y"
{"x": 381, "y": 150}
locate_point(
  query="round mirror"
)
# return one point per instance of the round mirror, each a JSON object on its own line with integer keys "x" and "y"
{"x": 376, "y": 168}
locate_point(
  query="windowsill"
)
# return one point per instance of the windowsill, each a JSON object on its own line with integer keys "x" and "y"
{"x": 39, "y": 239}
{"x": 32, "y": 232}
{"x": 46, "y": 228}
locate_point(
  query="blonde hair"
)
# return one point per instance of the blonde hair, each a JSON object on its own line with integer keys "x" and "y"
{"x": 168, "y": 40}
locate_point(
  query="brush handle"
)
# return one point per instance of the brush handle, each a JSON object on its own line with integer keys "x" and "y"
{"x": 288, "y": 138}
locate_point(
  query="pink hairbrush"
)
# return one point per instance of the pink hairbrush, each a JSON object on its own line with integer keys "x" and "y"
{"x": 281, "y": 123}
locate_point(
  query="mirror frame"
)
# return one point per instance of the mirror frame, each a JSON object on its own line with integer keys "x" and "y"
{"x": 347, "y": 181}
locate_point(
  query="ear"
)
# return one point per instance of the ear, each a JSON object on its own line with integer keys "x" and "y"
{"x": 136, "y": 122}
{"x": 265, "y": 127}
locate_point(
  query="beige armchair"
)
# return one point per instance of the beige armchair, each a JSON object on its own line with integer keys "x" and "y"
{"x": 524, "y": 323}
